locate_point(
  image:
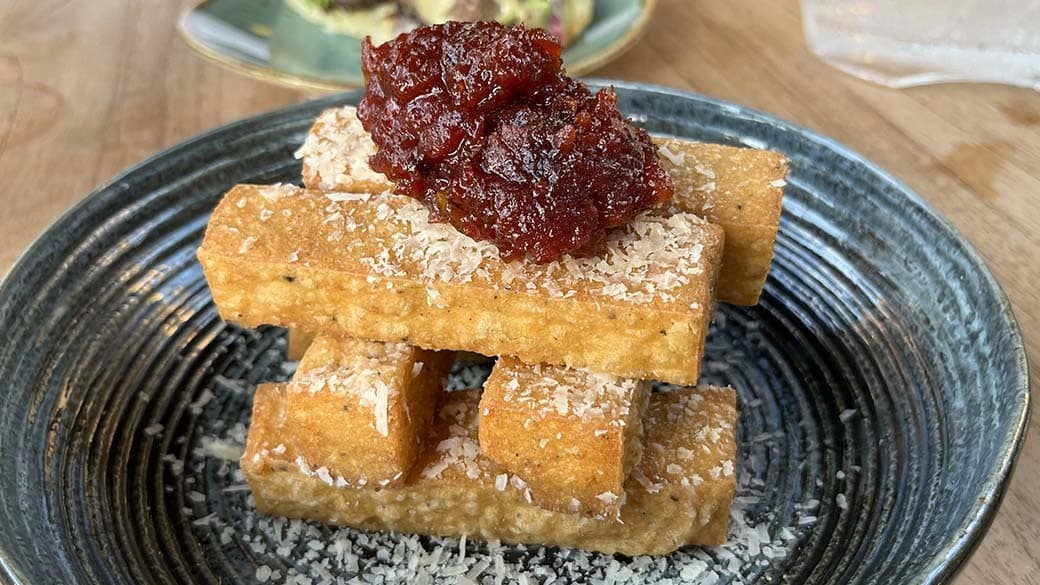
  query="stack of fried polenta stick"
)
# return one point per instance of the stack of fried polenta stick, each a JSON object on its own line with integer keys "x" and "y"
{"x": 566, "y": 445}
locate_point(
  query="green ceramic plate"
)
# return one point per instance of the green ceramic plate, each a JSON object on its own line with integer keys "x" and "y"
{"x": 268, "y": 40}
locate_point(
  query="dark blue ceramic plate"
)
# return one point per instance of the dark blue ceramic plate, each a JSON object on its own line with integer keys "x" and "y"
{"x": 882, "y": 381}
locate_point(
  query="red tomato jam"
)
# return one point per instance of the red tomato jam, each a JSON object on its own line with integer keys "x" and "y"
{"x": 480, "y": 123}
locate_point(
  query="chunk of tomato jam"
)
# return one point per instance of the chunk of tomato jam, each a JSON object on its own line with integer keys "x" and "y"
{"x": 481, "y": 123}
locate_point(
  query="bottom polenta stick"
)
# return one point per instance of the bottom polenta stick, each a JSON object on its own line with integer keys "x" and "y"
{"x": 572, "y": 435}
{"x": 363, "y": 408}
{"x": 679, "y": 494}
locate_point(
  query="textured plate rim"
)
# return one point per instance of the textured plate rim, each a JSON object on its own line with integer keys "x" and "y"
{"x": 947, "y": 562}
{"x": 274, "y": 75}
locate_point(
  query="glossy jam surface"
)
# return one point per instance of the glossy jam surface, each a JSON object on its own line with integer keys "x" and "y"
{"x": 481, "y": 123}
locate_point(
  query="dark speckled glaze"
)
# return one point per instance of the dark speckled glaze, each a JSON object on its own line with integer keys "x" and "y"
{"x": 875, "y": 308}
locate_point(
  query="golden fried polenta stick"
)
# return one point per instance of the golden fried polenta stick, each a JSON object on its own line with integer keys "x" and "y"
{"x": 335, "y": 154}
{"x": 363, "y": 408}
{"x": 739, "y": 189}
{"x": 378, "y": 269}
{"x": 679, "y": 494}
{"x": 298, "y": 342}
{"x": 573, "y": 435}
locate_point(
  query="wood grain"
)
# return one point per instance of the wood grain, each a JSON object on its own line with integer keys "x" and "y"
{"x": 90, "y": 87}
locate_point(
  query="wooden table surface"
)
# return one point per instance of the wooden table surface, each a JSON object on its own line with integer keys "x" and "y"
{"x": 88, "y": 87}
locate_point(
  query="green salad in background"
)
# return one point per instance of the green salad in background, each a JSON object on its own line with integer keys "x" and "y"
{"x": 384, "y": 19}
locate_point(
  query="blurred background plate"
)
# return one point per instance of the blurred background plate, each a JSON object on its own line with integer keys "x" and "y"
{"x": 268, "y": 40}
{"x": 882, "y": 381}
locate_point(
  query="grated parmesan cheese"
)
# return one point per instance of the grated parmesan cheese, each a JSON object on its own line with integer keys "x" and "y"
{"x": 338, "y": 150}
{"x": 651, "y": 259}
